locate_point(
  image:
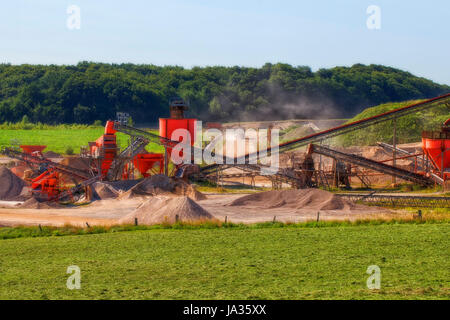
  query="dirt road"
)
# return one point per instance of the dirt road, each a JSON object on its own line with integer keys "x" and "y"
{"x": 108, "y": 212}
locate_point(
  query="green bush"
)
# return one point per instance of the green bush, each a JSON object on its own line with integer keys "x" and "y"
{"x": 130, "y": 122}
{"x": 25, "y": 119}
{"x": 69, "y": 151}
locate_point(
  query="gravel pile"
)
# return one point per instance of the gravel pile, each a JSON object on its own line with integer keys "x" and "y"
{"x": 314, "y": 199}
{"x": 10, "y": 185}
{"x": 163, "y": 209}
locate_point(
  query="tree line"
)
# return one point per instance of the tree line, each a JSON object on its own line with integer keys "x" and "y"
{"x": 89, "y": 91}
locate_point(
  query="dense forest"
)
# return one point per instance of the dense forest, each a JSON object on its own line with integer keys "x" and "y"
{"x": 87, "y": 91}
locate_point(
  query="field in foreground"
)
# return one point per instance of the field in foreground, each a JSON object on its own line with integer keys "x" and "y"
{"x": 250, "y": 263}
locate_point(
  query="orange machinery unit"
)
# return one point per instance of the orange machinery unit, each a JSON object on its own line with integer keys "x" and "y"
{"x": 105, "y": 148}
{"x": 436, "y": 145}
{"x": 147, "y": 161}
{"x": 177, "y": 121}
{"x": 47, "y": 185}
{"x": 22, "y": 166}
{"x": 30, "y": 149}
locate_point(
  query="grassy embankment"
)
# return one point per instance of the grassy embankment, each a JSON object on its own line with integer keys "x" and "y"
{"x": 409, "y": 128}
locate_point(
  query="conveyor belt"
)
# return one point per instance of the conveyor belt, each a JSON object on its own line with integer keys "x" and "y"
{"x": 136, "y": 147}
{"x": 75, "y": 189}
{"x": 356, "y": 125}
{"x": 28, "y": 158}
{"x": 373, "y": 165}
{"x": 421, "y": 164}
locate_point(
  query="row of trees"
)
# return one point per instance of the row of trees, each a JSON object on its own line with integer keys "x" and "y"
{"x": 96, "y": 91}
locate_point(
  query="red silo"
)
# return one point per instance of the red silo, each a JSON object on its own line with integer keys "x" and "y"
{"x": 167, "y": 126}
{"x": 436, "y": 145}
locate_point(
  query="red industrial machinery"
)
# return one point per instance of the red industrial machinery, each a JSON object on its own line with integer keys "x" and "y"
{"x": 113, "y": 165}
{"x": 436, "y": 145}
{"x": 21, "y": 167}
{"x": 167, "y": 126}
{"x": 147, "y": 161}
{"x": 47, "y": 185}
{"x": 107, "y": 163}
{"x": 33, "y": 149}
{"x": 212, "y": 169}
{"x": 105, "y": 148}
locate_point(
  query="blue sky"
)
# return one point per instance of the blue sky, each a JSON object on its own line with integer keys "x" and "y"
{"x": 414, "y": 35}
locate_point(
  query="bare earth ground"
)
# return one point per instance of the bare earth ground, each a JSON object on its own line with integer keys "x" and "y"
{"x": 103, "y": 212}
{"x": 218, "y": 205}
{"x": 108, "y": 212}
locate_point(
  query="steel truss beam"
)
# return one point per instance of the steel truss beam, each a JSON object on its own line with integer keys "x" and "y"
{"x": 373, "y": 165}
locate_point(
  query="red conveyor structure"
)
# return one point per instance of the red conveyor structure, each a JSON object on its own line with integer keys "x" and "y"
{"x": 353, "y": 126}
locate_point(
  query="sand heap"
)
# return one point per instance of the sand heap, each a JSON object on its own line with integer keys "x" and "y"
{"x": 160, "y": 184}
{"x": 32, "y": 203}
{"x": 314, "y": 199}
{"x": 10, "y": 185}
{"x": 163, "y": 209}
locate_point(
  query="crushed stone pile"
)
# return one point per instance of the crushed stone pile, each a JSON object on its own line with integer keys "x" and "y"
{"x": 183, "y": 188}
{"x": 103, "y": 191}
{"x": 314, "y": 199}
{"x": 10, "y": 185}
{"x": 32, "y": 203}
{"x": 163, "y": 209}
{"x": 154, "y": 185}
{"x": 160, "y": 184}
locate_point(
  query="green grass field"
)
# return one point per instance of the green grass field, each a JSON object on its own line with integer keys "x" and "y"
{"x": 233, "y": 263}
{"x": 57, "y": 139}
